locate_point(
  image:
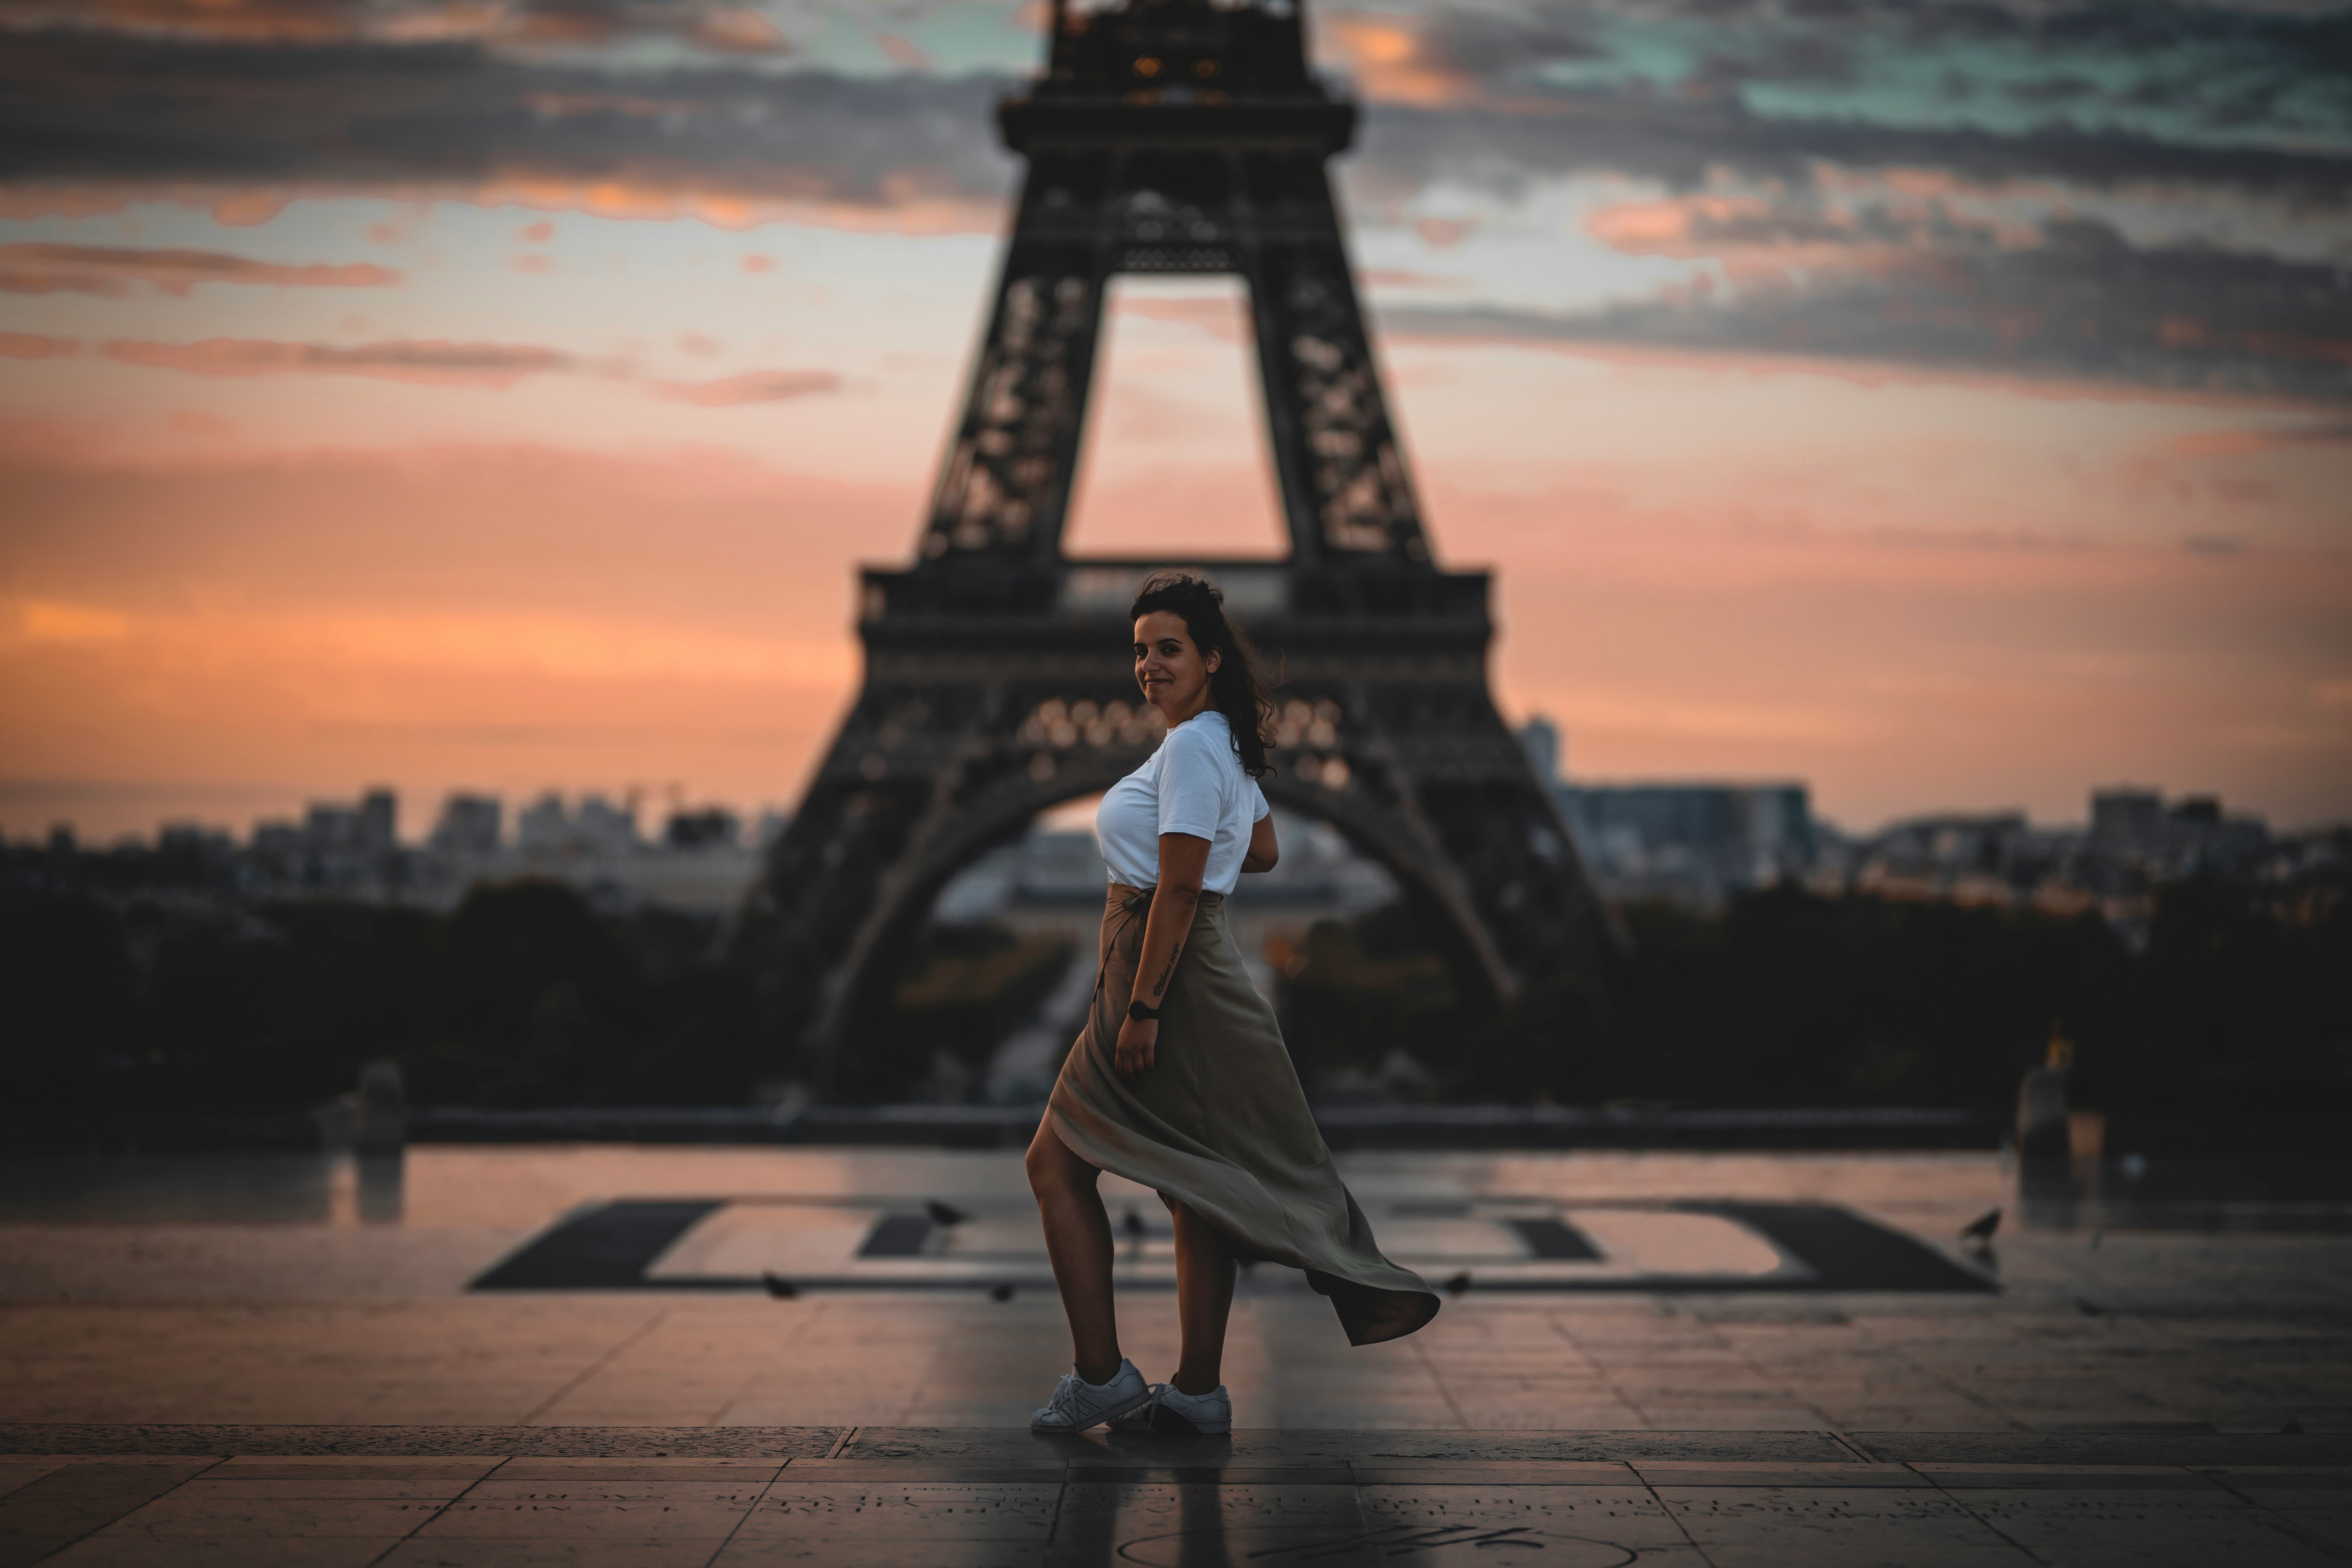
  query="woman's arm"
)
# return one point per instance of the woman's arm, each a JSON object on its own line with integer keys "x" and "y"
{"x": 1183, "y": 858}
{"x": 1262, "y": 852}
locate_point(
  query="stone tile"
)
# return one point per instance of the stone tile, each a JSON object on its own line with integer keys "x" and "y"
{"x": 2285, "y": 1486}
{"x": 2105, "y": 1478}
{"x": 650, "y": 1521}
{"x": 814, "y": 1473}
{"x": 1549, "y": 1417}
{"x": 18, "y": 1551}
{"x": 2332, "y": 1525}
{"x": 858, "y": 1552}
{"x": 1626, "y": 1516}
{"x": 224, "y": 1552}
{"x": 1567, "y": 1473}
{"x": 112, "y": 1477}
{"x": 1732, "y": 1418}
{"x": 2093, "y": 1529}
{"x": 1159, "y": 1526}
{"x": 1736, "y": 1473}
{"x": 617, "y": 1551}
{"x": 741, "y": 1493}
{"x": 358, "y": 1468}
{"x": 585, "y": 1468}
{"x": 182, "y": 1512}
{"x": 919, "y": 1510}
{"x": 1767, "y": 1527}
{"x": 260, "y": 1489}
{"x": 20, "y": 1471}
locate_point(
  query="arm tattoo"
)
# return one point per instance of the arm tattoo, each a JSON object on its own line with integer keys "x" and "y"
{"x": 1170, "y": 973}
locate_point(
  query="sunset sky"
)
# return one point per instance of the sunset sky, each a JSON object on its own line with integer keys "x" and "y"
{"x": 1946, "y": 404}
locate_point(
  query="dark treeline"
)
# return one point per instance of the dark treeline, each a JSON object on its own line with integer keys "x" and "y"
{"x": 2236, "y": 1004}
{"x": 520, "y": 997}
{"x": 525, "y": 997}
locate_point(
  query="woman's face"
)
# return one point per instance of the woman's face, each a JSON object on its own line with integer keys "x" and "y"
{"x": 1169, "y": 666}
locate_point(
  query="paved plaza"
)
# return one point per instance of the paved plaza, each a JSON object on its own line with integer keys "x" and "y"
{"x": 477, "y": 1497}
{"x": 700, "y": 1355}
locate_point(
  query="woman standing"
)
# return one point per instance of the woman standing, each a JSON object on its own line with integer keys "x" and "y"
{"x": 1179, "y": 1080}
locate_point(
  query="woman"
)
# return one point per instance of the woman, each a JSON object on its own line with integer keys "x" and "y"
{"x": 1179, "y": 1080}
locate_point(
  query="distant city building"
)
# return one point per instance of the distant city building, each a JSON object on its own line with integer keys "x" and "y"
{"x": 470, "y": 824}
{"x": 379, "y": 822}
{"x": 1696, "y": 842}
{"x": 708, "y": 828}
{"x": 1539, "y": 737}
{"x": 331, "y": 829}
{"x": 603, "y": 828}
{"x": 1692, "y": 842}
{"x": 2127, "y": 821}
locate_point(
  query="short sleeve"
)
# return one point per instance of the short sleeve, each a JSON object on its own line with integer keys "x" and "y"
{"x": 1191, "y": 784}
{"x": 1259, "y": 810}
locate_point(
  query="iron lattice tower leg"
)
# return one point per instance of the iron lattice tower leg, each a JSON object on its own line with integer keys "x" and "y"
{"x": 1169, "y": 136}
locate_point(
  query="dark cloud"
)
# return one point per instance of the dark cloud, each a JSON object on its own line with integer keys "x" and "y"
{"x": 81, "y": 108}
{"x": 706, "y": 24}
{"x": 85, "y": 114}
{"x": 2083, "y": 303}
{"x": 2110, "y": 89}
{"x": 78, "y": 107}
{"x": 110, "y": 270}
{"x": 1681, "y": 141}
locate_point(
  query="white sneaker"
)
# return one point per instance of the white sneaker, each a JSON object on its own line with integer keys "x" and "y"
{"x": 1171, "y": 1409}
{"x": 1077, "y": 1405}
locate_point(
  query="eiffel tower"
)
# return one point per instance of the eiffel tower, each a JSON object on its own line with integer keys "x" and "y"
{"x": 1166, "y": 136}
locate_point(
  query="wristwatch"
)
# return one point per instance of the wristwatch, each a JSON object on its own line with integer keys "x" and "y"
{"x": 1142, "y": 1014}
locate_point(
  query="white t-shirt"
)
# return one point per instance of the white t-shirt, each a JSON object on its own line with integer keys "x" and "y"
{"x": 1193, "y": 784}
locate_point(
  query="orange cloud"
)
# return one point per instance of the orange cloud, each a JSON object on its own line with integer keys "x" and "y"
{"x": 755, "y": 387}
{"x": 494, "y": 365}
{"x": 108, "y": 271}
{"x": 32, "y": 345}
{"x": 911, "y": 203}
{"x": 1403, "y": 278}
{"x": 1390, "y": 61}
{"x": 738, "y": 31}
{"x": 253, "y": 21}
{"x": 1441, "y": 232}
{"x": 726, "y": 29}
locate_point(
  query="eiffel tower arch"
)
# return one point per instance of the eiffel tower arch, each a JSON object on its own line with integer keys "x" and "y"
{"x": 1166, "y": 136}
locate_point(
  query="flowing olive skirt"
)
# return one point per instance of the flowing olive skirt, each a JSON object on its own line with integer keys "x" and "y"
{"x": 1219, "y": 1123}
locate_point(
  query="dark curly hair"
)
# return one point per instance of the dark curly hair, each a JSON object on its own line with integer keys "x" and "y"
{"x": 1239, "y": 688}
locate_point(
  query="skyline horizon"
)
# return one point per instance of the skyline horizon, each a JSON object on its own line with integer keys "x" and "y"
{"x": 1945, "y": 408}
{"x": 647, "y": 803}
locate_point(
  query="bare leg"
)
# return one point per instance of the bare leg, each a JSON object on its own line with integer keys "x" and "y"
{"x": 1078, "y": 1238}
{"x": 1204, "y": 1300}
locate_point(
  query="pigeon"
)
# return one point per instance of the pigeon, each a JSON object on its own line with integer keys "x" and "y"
{"x": 2089, "y": 1308}
{"x": 1980, "y": 1228}
{"x": 1133, "y": 1225}
{"x": 1001, "y": 1293}
{"x": 1459, "y": 1283}
{"x": 942, "y": 1214}
{"x": 782, "y": 1289}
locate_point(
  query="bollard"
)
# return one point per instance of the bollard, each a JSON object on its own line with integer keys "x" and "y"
{"x": 2043, "y": 1129}
{"x": 383, "y": 1120}
{"x": 2042, "y": 1122}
